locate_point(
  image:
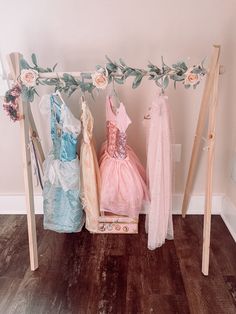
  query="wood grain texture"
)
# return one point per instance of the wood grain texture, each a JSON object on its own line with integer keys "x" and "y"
{"x": 106, "y": 273}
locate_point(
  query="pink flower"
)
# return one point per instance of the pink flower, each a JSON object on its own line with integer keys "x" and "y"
{"x": 191, "y": 78}
{"x": 29, "y": 77}
{"x": 100, "y": 80}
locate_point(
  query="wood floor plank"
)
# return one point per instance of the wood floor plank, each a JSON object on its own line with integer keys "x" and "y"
{"x": 202, "y": 292}
{"x": 167, "y": 278}
{"x": 167, "y": 304}
{"x": 102, "y": 273}
{"x": 14, "y": 250}
{"x": 223, "y": 247}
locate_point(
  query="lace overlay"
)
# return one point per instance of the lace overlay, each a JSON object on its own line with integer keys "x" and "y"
{"x": 116, "y": 144}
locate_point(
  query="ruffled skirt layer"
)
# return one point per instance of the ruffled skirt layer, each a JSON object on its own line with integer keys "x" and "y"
{"x": 123, "y": 184}
{"x": 62, "y": 207}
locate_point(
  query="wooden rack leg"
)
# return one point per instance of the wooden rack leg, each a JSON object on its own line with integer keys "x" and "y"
{"x": 14, "y": 62}
{"x": 209, "y": 178}
{"x": 199, "y": 130}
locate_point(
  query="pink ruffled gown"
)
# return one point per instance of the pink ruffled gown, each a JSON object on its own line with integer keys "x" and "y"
{"x": 123, "y": 183}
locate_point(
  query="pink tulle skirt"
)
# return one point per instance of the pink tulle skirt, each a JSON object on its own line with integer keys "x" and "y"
{"x": 123, "y": 184}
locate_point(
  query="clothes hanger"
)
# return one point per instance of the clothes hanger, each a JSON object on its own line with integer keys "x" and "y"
{"x": 58, "y": 94}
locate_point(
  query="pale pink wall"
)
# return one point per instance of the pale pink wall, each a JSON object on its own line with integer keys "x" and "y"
{"x": 230, "y": 108}
{"x": 77, "y": 35}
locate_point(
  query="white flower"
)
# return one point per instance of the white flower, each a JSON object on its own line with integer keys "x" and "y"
{"x": 191, "y": 78}
{"x": 100, "y": 80}
{"x": 28, "y": 77}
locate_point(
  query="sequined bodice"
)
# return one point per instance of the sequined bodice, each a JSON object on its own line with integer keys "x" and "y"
{"x": 116, "y": 142}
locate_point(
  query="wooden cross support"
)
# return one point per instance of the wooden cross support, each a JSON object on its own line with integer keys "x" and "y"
{"x": 207, "y": 109}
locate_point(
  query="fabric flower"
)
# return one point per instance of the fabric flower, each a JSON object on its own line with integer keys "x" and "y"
{"x": 15, "y": 91}
{"x": 11, "y": 103}
{"x": 100, "y": 80}
{"x": 28, "y": 77}
{"x": 191, "y": 78}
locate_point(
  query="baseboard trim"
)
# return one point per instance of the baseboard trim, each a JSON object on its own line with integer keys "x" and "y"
{"x": 228, "y": 215}
{"x": 15, "y": 204}
{"x": 221, "y": 205}
{"x": 196, "y": 205}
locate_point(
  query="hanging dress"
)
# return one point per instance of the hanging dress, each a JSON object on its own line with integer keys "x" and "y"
{"x": 61, "y": 193}
{"x": 123, "y": 187}
{"x": 90, "y": 175}
{"x": 159, "y": 173}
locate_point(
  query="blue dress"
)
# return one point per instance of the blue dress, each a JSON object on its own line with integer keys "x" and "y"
{"x": 61, "y": 193}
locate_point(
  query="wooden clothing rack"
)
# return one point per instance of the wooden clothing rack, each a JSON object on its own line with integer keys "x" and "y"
{"x": 29, "y": 132}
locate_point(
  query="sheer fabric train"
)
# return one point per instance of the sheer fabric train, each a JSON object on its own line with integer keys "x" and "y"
{"x": 159, "y": 172}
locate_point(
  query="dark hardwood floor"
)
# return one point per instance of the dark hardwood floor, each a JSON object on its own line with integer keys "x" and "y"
{"x": 85, "y": 273}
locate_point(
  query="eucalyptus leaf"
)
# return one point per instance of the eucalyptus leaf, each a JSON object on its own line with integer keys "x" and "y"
{"x": 31, "y": 96}
{"x": 24, "y": 92}
{"x": 112, "y": 67}
{"x": 165, "y": 82}
{"x": 24, "y": 64}
{"x": 108, "y": 59}
{"x": 197, "y": 70}
{"x": 41, "y": 70}
{"x": 27, "y": 94}
{"x": 137, "y": 81}
{"x": 155, "y": 70}
{"x": 176, "y": 77}
{"x": 34, "y": 59}
{"x": 122, "y": 62}
{"x": 129, "y": 72}
{"x": 119, "y": 80}
{"x": 70, "y": 78}
{"x": 98, "y": 67}
{"x": 180, "y": 65}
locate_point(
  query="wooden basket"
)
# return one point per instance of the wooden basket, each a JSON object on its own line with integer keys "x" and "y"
{"x": 117, "y": 224}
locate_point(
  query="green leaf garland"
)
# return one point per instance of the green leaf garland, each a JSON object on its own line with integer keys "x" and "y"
{"x": 117, "y": 71}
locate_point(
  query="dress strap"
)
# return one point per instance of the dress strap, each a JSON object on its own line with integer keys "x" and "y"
{"x": 123, "y": 120}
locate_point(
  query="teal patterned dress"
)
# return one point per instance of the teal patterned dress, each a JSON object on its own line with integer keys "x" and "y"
{"x": 61, "y": 193}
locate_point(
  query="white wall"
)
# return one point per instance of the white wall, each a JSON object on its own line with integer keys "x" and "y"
{"x": 77, "y": 35}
